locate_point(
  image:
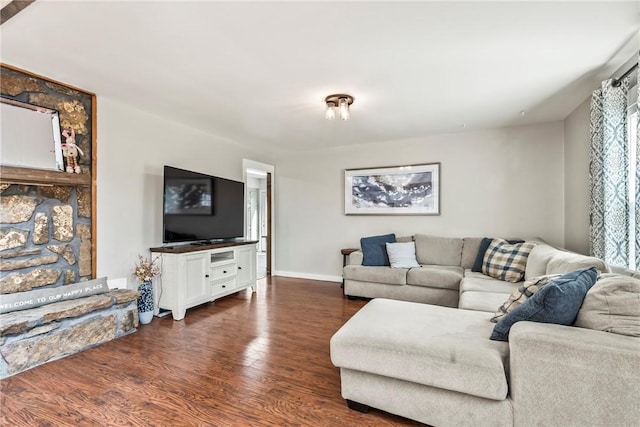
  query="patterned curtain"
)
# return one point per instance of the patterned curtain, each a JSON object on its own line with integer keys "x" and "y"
{"x": 638, "y": 175}
{"x": 609, "y": 166}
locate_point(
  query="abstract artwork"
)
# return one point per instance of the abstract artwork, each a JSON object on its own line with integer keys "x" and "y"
{"x": 408, "y": 190}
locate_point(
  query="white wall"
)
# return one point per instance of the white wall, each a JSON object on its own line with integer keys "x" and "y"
{"x": 133, "y": 147}
{"x": 576, "y": 166}
{"x": 502, "y": 182}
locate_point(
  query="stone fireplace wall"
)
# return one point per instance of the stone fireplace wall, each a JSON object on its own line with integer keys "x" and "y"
{"x": 47, "y": 226}
{"x": 45, "y": 236}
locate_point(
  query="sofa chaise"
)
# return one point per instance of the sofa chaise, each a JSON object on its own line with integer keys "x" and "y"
{"x": 417, "y": 351}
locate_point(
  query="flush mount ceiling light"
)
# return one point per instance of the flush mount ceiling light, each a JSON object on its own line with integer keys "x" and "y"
{"x": 339, "y": 102}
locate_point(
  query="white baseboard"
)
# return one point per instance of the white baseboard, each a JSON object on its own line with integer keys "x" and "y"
{"x": 310, "y": 276}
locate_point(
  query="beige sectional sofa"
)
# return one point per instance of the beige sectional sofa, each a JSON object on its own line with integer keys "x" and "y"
{"x": 443, "y": 262}
{"x": 411, "y": 352}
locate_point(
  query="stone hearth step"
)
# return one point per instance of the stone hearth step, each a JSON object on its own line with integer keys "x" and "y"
{"x": 31, "y": 337}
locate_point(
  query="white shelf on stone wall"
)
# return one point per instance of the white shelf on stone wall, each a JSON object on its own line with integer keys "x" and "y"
{"x": 31, "y": 176}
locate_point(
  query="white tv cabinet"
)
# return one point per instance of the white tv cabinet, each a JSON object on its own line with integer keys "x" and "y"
{"x": 197, "y": 274}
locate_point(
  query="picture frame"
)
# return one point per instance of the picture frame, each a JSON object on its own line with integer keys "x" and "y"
{"x": 394, "y": 190}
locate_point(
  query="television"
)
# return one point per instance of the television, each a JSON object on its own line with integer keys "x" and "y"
{"x": 201, "y": 208}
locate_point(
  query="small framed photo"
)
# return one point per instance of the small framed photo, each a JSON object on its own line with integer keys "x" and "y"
{"x": 396, "y": 190}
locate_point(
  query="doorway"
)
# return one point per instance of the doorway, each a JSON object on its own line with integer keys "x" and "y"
{"x": 259, "y": 213}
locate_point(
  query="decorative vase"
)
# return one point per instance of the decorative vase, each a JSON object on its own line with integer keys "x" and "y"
{"x": 145, "y": 303}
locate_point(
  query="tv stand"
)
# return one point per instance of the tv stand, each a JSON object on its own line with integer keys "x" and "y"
{"x": 202, "y": 272}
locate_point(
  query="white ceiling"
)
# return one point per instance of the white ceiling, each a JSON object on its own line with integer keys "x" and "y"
{"x": 258, "y": 72}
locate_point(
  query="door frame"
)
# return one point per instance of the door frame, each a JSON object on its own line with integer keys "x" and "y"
{"x": 269, "y": 170}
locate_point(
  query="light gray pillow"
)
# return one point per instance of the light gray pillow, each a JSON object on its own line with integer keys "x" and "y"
{"x": 612, "y": 305}
{"x": 402, "y": 255}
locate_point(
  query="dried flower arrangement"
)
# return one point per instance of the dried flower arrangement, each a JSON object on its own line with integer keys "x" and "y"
{"x": 146, "y": 269}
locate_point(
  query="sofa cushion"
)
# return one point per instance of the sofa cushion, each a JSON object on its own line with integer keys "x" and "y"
{"x": 506, "y": 261}
{"x": 538, "y": 259}
{"x": 433, "y": 250}
{"x": 564, "y": 262}
{"x": 426, "y": 344}
{"x": 481, "y": 301}
{"x": 469, "y": 273}
{"x": 435, "y": 276}
{"x": 374, "y": 250}
{"x": 487, "y": 284}
{"x": 402, "y": 255}
{"x": 558, "y": 302}
{"x": 625, "y": 271}
{"x": 523, "y": 293}
{"x": 612, "y": 305}
{"x": 386, "y": 275}
{"x": 470, "y": 246}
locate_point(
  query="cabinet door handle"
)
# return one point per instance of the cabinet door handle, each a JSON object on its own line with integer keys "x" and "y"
{"x": 224, "y": 271}
{"x": 224, "y": 286}
{"x": 239, "y": 268}
{"x": 206, "y": 275}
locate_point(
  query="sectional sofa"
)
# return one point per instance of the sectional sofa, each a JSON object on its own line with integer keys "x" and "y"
{"x": 421, "y": 347}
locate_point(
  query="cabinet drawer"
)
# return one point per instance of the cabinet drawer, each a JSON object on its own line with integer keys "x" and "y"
{"x": 222, "y": 271}
{"x": 222, "y": 287}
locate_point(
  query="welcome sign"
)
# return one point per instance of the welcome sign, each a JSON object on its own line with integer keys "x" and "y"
{"x": 39, "y": 297}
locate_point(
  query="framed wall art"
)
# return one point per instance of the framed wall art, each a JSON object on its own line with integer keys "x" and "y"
{"x": 397, "y": 190}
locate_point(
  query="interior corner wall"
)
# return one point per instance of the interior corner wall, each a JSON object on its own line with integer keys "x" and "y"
{"x": 133, "y": 147}
{"x": 499, "y": 182}
{"x": 576, "y": 167}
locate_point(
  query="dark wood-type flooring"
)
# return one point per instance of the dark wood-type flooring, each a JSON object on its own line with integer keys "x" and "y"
{"x": 246, "y": 360}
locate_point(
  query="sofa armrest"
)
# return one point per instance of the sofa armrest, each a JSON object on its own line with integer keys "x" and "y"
{"x": 355, "y": 258}
{"x": 569, "y": 376}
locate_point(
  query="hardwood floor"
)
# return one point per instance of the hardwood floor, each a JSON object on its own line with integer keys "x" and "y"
{"x": 246, "y": 360}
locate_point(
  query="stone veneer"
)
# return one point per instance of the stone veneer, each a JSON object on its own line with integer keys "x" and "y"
{"x": 32, "y": 337}
{"x": 46, "y": 242}
{"x": 44, "y": 234}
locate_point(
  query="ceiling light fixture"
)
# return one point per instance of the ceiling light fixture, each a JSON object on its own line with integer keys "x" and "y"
{"x": 338, "y": 102}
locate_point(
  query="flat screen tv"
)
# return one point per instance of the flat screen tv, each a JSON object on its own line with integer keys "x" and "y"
{"x": 201, "y": 208}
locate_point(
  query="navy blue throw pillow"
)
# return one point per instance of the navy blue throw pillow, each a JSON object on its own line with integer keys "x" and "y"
{"x": 557, "y": 302}
{"x": 374, "y": 250}
{"x": 484, "y": 245}
{"x": 477, "y": 264}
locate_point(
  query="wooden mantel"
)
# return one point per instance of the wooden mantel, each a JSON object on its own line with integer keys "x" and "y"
{"x": 20, "y": 175}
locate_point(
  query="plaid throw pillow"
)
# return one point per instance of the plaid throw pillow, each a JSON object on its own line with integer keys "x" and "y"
{"x": 505, "y": 261}
{"x": 523, "y": 293}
